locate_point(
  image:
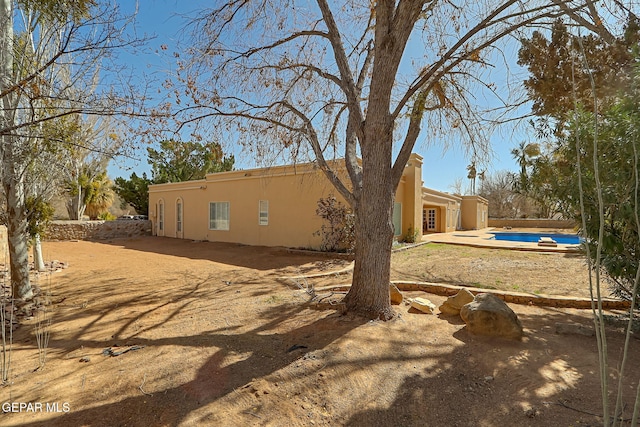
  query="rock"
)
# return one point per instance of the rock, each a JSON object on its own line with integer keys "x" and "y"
{"x": 574, "y": 328}
{"x": 489, "y": 315}
{"x": 85, "y": 359}
{"x": 396, "y": 295}
{"x": 423, "y": 305}
{"x": 454, "y": 303}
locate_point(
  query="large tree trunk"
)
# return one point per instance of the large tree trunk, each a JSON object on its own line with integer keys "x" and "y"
{"x": 11, "y": 176}
{"x": 16, "y": 230}
{"x": 369, "y": 293}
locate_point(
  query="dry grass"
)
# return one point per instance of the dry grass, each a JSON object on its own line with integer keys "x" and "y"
{"x": 510, "y": 270}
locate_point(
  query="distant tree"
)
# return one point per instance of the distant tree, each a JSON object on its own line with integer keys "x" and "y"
{"x": 558, "y": 78}
{"x": 525, "y": 154}
{"x": 50, "y": 54}
{"x": 472, "y": 174}
{"x": 498, "y": 190}
{"x": 178, "y": 161}
{"x": 89, "y": 192}
{"x": 134, "y": 191}
{"x": 456, "y": 186}
{"x": 99, "y": 195}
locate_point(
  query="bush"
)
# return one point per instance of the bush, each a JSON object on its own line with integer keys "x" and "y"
{"x": 106, "y": 216}
{"x": 338, "y": 231}
{"x": 412, "y": 236}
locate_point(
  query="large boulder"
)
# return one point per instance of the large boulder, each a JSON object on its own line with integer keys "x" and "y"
{"x": 423, "y": 305}
{"x": 489, "y": 315}
{"x": 395, "y": 294}
{"x": 454, "y": 304}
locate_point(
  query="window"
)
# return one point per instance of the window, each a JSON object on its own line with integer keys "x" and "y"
{"x": 219, "y": 216}
{"x": 160, "y": 216}
{"x": 179, "y": 216}
{"x": 263, "y": 212}
{"x": 397, "y": 219}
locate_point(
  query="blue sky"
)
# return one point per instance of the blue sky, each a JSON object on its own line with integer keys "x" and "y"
{"x": 165, "y": 19}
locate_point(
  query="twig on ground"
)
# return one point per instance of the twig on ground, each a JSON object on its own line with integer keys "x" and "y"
{"x": 144, "y": 378}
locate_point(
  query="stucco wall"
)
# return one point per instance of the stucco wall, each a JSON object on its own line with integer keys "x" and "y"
{"x": 292, "y": 193}
{"x": 96, "y": 230}
{"x": 475, "y": 213}
{"x": 531, "y": 223}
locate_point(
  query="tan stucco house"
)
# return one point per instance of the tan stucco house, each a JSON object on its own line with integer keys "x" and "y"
{"x": 276, "y": 206}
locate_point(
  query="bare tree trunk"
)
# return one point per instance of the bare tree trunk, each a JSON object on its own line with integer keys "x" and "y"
{"x": 369, "y": 293}
{"x": 11, "y": 175}
{"x": 38, "y": 260}
{"x": 75, "y": 207}
{"x": 16, "y": 228}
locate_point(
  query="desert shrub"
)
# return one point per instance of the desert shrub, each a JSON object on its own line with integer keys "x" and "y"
{"x": 338, "y": 228}
{"x": 106, "y": 216}
{"x": 412, "y": 236}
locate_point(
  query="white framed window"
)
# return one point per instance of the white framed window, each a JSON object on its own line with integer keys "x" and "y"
{"x": 263, "y": 212}
{"x": 219, "y": 216}
{"x": 161, "y": 215}
{"x": 179, "y": 215}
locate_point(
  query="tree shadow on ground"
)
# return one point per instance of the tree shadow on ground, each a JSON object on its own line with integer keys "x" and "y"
{"x": 215, "y": 378}
{"x": 254, "y": 257}
{"x": 475, "y": 384}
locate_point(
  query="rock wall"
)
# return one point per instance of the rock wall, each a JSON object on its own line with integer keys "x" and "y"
{"x": 96, "y": 230}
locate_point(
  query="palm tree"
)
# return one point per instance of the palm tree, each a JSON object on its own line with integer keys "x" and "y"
{"x": 525, "y": 155}
{"x": 472, "y": 176}
{"x": 99, "y": 195}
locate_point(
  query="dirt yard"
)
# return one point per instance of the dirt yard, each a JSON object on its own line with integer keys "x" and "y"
{"x": 218, "y": 336}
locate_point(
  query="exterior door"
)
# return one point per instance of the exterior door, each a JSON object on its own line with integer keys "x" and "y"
{"x": 431, "y": 220}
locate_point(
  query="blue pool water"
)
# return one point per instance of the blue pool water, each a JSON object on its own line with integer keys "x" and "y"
{"x": 563, "y": 239}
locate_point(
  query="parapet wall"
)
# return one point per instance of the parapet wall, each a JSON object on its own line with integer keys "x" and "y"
{"x": 96, "y": 230}
{"x": 530, "y": 223}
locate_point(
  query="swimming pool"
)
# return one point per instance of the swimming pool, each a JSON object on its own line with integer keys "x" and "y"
{"x": 563, "y": 239}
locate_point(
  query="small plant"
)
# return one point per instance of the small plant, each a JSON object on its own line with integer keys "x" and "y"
{"x": 42, "y": 331}
{"x": 6, "y": 323}
{"x": 338, "y": 231}
{"x": 42, "y": 328}
{"x": 412, "y": 236}
{"x": 274, "y": 299}
{"x": 106, "y": 216}
{"x": 6, "y": 332}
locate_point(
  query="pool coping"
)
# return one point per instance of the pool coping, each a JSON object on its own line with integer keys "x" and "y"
{"x": 483, "y": 239}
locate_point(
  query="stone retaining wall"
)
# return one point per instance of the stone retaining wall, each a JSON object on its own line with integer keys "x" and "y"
{"x": 506, "y": 296}
{"x": 96, "y": 230}
{"x": 530, "y": 223}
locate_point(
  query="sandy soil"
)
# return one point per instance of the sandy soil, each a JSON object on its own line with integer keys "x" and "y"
{"x": 226, "y": 340}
